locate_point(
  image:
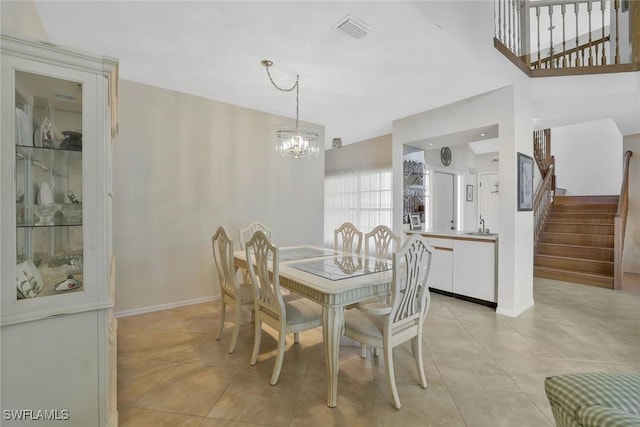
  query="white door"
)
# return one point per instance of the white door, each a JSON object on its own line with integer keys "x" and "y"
{"x": 443, "y": 201}
{"x": 489, "y": 200}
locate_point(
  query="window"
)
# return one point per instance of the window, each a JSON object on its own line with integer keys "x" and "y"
{"x": 361, "y": 197}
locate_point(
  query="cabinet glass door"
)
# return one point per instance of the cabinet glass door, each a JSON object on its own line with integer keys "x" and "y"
{"x": 49, "y": 193}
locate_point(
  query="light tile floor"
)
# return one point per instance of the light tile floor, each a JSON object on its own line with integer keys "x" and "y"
{"x": 483, "y": 369}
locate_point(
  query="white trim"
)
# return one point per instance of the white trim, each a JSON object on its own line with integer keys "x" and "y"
{"x": 32, "y": 316}
{"x": 513, "y": 312}
{"x": 142, "y": 310}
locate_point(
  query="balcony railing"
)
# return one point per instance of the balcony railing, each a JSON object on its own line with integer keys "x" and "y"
{"x": 554, "y": 37}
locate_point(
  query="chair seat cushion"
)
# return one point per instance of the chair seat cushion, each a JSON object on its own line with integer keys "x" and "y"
{"x": 363, "y": 324}
{"x": 301, "y": 310}
{"x": 572, "y": 394}
{"x": 246, "y": 292}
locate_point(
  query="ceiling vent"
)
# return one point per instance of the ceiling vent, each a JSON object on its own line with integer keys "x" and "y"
{"x": 353, "y": 27}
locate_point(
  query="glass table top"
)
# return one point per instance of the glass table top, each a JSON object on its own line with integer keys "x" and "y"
{"x": 289, "y": 254}
{"x": 344, "y": 267}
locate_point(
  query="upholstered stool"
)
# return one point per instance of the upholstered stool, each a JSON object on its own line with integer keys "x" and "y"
{"x": 594, "y": 399}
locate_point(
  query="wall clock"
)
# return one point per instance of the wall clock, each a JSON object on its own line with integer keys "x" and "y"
{"x": 445, "y": 156}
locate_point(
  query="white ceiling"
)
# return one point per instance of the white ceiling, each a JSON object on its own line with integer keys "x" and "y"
{"x": 409, "y": 63}
{"x": 419, "y": 55}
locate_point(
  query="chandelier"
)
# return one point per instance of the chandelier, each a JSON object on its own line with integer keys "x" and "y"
{"x": 295, "y": 142}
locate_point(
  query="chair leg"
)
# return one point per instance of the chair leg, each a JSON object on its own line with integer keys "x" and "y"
{"x": 279, "y": 358}
{"x": 296, "y": 337}
{"x": 236, "y": 327}
{"x": 391, "y": 376}
{"x": 416, "y": 348}
{"x": 363, "y": 351}
{"x": 257, "y": 336}
{"x": 223, "y": 311}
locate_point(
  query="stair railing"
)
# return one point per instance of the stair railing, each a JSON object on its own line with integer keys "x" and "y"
{"x": 542, "y": 204}
{"x": 546, "y": 189}
{"x": 542, "y": 149}
{"x": 620, "y": 224}
{"x": 574, "y": 55}
{"x": 557, "y": 37}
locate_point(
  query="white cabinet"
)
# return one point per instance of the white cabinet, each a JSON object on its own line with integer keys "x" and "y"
{"x": 441, "y": 275}
{"x": 464, "y": 266}
{"x": 56, "y": 296}
{"x": 474, "y": 272}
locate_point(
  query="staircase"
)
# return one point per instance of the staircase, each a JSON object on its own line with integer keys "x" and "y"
{"x": 577, "y": 241}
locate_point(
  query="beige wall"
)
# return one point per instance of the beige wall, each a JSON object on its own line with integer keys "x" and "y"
{"x": 360, "y": 155}
{"x": 631, "y": 257}
{"x": 184, "y": 165}
{"x": 21, "y": 18}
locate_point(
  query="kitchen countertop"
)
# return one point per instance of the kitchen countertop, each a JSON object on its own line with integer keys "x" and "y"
{"x": 455, "y": 234}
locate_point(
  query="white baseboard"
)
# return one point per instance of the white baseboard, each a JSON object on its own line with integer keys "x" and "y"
{"x": 514, "y": 312}
{"x": 142, "y": 310}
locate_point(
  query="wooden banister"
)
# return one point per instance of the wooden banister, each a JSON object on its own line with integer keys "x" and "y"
{"x": 620, "y": 223}
{"x": 542, "y": 203}
{"x": 542, "y": 149}
{"x": 546, "y": 190}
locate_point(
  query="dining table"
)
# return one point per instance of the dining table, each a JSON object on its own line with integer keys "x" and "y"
{"x": 335, "y": 280}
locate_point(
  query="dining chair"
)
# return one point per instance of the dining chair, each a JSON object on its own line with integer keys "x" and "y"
{"x": 386, "y": 326}
{"x": 246, "y": 233}
{"x": 284, "y": 313}
{"x": 383, "y": 242}
{"x": 238, "y": 295}
{"x": 347, "y": 238}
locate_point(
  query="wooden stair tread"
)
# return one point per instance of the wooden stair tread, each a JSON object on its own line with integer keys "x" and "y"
{"x": 578, "y": 224}
{"x": 592, "y": 279}
{"x": 573, "y": 234}
{"x": 582, "y": 215}
{"x": 593, "y": 200}
{"x": 574, "y": 258}
{"x": 603, "y": 209}
{"x": 577, "y": 272}
{"x": 578, "y": 246}
{"x": 583, "y": 252}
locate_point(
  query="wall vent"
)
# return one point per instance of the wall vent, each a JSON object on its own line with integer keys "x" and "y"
{"x": 353, "y": 27}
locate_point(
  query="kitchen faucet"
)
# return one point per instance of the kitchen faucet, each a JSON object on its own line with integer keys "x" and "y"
{"x": 482, "y": 222}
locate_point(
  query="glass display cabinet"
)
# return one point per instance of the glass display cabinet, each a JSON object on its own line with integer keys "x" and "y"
{"x": 48, "y": 178}
{"x": 416, "y": 182}
{"x": 57, "y": 266}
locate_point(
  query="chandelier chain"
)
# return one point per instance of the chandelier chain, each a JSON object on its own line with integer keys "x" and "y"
{"x": 278, "y": 87}
{"x": 295, "y": 86}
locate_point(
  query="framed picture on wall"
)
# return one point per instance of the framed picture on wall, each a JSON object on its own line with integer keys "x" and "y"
{"x": 415, "y": 221}
{"x": 525, "y": 182}
{"x": 469, "y": 193}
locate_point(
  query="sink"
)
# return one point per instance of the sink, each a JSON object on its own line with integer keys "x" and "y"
{"x": 477, "y": 233}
